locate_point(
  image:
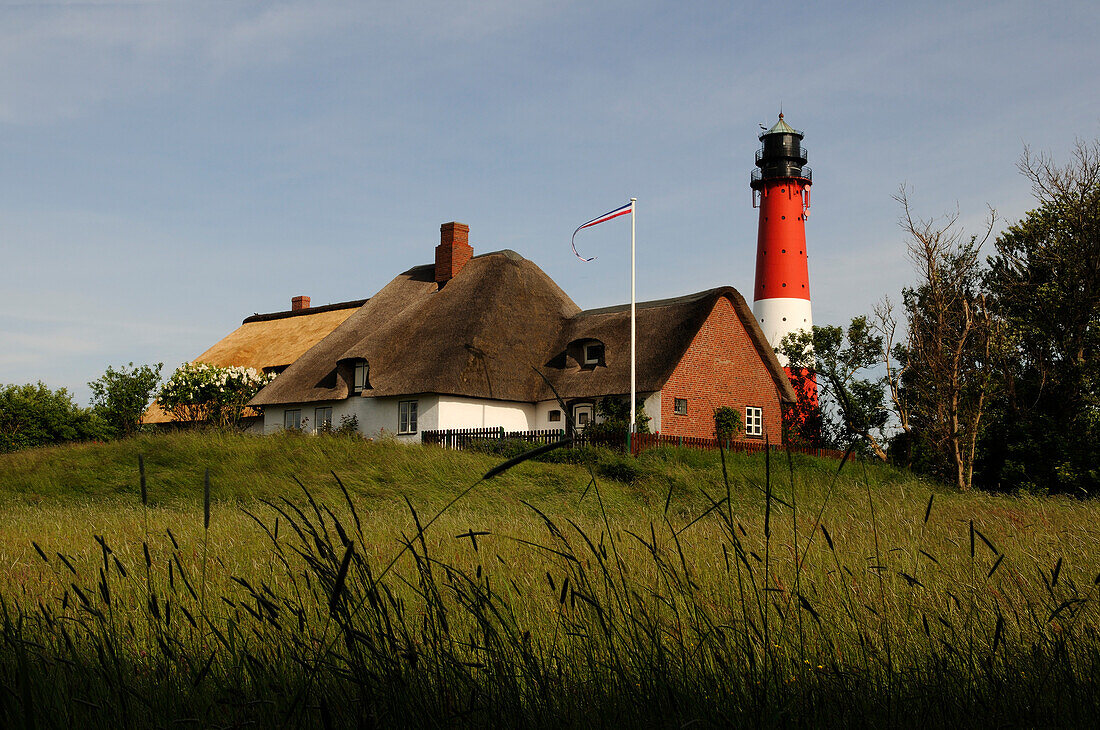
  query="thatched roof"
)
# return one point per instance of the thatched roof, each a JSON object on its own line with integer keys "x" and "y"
{"x": 480, "y": 335}
{"x": 486, "y": 332}
{"x": 270, "y": 341}
{"x": 665, "y": 330}
{"x": 278, "y": 339}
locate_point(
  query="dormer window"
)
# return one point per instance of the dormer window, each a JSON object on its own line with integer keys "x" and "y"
{"x": 360, "y": 380}
{"x": 586, "y": 353}
{"x": 593, "y": 353}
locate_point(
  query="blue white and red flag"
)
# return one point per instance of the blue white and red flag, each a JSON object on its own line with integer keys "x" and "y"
{"x": 629, "y": 207}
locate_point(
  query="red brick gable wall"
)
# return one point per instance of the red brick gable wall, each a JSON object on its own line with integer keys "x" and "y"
{"x": 720, "y": 368}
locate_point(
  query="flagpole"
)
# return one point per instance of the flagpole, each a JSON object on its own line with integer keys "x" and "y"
{"x": 633, "y": 335}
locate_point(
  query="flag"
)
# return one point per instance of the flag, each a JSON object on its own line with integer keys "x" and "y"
{"x": 595, "y": 221}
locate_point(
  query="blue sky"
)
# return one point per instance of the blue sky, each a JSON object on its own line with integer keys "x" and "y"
{"x": 168, "y": 168}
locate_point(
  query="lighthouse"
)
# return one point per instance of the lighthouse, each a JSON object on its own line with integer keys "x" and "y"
{"x": 781, "y": 189}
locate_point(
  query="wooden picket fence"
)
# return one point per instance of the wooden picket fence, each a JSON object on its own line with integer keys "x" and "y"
{"x": 462, "y": 438}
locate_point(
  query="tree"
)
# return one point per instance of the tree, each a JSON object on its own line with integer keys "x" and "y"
{"x": 851, "y": 405}
{"x": 34, "y": 415}
{"x": 895, "y": 360}
{"x": 1044, "y": 282}
{"x": 203, "y": 393}
{"x": 943, "y": 376}
{"x": 121, "y": 396}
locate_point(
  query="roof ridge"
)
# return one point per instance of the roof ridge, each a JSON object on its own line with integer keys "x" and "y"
{"x": 351, "y": 304}
{"x": 653, "y": 303}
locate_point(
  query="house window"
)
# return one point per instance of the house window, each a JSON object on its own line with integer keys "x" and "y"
{"x": 680, "y": 406}
{"x": 322, "y": 419}
{"x": 593, "y": 354}
{"x": 406, "y": 416}
{"x": 292, "y": 419}
{"x": 553, "y": 416}
{"x": 360, "y": 381}
{"x": 754, "y": 422}
{"x": 582, "y": 414}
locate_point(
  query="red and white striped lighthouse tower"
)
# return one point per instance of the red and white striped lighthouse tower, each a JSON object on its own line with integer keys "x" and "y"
{"x": 781, "y": 189}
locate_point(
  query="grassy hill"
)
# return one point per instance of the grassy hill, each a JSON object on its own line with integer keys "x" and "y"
{"x": 613, "y": 591}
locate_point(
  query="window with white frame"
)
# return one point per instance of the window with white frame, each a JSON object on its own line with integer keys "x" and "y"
{"x": 292, "y": 419}
{"x": 593, "y": 353}
{"x": 322, "y": 419}
{"x": 754, "y": 422}
{"x": 359, "y": 383}
{"x": 406, "y": 416}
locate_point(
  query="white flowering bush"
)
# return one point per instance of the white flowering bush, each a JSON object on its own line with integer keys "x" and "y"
{"x": 209, "y": 393}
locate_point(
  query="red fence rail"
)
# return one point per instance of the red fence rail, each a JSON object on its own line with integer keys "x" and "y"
{"x": 463, "y": 438}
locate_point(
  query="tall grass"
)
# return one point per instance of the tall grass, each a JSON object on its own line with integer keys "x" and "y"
{"x": 748, "y": 592}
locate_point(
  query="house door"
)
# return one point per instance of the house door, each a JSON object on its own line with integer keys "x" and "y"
{"x": 582, "y": 415}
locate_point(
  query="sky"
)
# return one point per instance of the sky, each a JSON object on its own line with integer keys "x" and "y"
{"x": 169, "y": 168}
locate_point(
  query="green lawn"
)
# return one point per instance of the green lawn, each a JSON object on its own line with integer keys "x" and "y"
{"x": 541, "y": 597}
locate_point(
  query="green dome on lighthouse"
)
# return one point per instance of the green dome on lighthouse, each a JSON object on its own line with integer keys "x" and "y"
{"x": 781, "y": 127}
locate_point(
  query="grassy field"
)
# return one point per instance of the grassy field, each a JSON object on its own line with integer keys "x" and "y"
{"x": 332, "y": 582}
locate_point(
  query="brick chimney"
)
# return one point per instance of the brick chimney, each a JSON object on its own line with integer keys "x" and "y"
{"x": 453, "y": 251}
{"x": 299, "y": 303}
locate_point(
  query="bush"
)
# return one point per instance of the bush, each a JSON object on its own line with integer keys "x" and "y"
{"x": 202, "y": 393}
{"x": 121, "y": 396}
{"x": 616, "y": 415}
{"x": 349, "y": 426}
{"x": 505, "y": 448}
{"x": 727, "y": 423}
{"x": 34, "y": 415}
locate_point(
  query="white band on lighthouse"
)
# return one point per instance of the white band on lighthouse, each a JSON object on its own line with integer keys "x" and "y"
{"x": 780, "y": 316}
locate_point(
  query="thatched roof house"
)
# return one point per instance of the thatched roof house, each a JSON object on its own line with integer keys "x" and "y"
{"x": 484, "y": 341}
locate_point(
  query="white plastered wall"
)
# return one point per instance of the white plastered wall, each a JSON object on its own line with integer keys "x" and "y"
{"x": 378, "y": 417}
{"x": 541, "y": 420}
{"x": 457, "y": 412}
{"x": 653, "y": 410}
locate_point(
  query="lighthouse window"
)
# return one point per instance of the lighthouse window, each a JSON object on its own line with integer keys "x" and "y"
{"x": 784, "y": 285}
{"x": 783, "y": 217}
{"x": 784, "y": 250}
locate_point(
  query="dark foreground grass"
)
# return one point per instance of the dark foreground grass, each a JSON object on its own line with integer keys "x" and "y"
{"x": 782, "y": 595}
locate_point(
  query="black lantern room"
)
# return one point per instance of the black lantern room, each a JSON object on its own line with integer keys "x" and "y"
{"x": 781, "y": 156}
